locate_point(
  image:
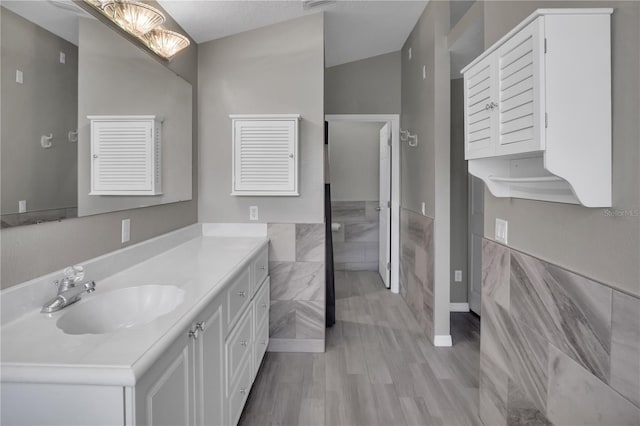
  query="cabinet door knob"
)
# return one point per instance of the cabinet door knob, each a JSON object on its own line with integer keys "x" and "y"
{"x": 244, "y": 342}
{"x": 200, "y": 325}
{"x": 193, "y": 334}
{"x": 242, "y": 293}
{"x": 264, "y": 342}
{"x": 487, "y": 107}
{"x": 243, "y": 391}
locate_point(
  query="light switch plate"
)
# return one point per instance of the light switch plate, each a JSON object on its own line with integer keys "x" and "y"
{"x": 410, "y": 53}
{"x": 253, "y": 213}
{"x": 501, "y": 232}
{"x": 424, "y": 72}
{"x": 19, "y": 77}
{"x": 63, "y": 58}
{"x": 126, "y": 230}
{"x": 22, "y": 206}
{"x": 423, "y": 208}
{"x": 457, "y": 276}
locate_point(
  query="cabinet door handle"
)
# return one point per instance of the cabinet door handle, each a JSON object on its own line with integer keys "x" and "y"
{"x": 243, "y": 391}
{"x": 242, "y": 293}
{"x": 244, "y": 342}
{"x": 200, "y": 326}
{"x": 193, "y": 334}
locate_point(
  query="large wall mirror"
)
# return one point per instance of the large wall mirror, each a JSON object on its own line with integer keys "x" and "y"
{"x": 60, "y": 66}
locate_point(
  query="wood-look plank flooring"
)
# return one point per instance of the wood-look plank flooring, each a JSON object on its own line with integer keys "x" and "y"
{"x": 378, "y": 369}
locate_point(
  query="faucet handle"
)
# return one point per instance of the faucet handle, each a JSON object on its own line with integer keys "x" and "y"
{"x": 74, "y": 273}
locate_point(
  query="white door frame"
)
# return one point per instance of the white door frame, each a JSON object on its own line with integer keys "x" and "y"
{"x": 394, "y": 121}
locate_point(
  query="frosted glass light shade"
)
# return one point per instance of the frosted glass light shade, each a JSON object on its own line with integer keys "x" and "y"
{"x": 166, "y": 43}
{"x": 135, "y": 17}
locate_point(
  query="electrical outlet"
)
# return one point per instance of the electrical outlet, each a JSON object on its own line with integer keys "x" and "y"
{"x": 410, "y": 53}
{"x": 501, "y": 232}
{"x": 457, "y": 276}
{"x": 22, "y": 206}
{"x": 253, "y": 213}
{"x": 19, "y": 77}
{"x": 126, "y": 230}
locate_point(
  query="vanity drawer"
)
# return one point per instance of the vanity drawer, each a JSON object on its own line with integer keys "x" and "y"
{"x": 239, "y": 343}
{"x": 262, "y": 342}
{"x": 260, "y": 267}
{"x": 240, "y": 392}
{"x": 262, "y": 303}
{"x": 238, "y": 297}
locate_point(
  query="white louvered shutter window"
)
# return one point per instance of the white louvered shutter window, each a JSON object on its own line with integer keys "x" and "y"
{"x": 265, "y": 155}
{"x": 125, "y": 155}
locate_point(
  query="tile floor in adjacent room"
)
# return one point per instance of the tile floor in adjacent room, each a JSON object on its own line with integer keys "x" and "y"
{"x": 379, "y": 368}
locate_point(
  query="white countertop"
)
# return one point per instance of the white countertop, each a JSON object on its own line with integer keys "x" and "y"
{"x": 35, "y": 350}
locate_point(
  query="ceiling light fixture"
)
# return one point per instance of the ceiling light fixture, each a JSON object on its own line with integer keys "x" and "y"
{"x": 143, "y": 22}
{"x": 135, "y": 17}
{"x": 166, "y": 43}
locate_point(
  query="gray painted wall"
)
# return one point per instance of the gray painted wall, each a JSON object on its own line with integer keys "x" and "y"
{"x": 425, "y": 169}
{"x": 354, "y": 160}
{"x": 367, "y": 86}
{"x": 31, "y": 251}
{"x": 593, "y": 242}
{"x": 117, "y": 78}
{"x": 459, "y": 195}
{"x": 46, "y": 102}
{"x": 272, "y": 70}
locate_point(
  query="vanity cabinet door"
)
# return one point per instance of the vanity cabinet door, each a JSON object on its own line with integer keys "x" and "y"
{"x": 164, "y": 395}
{"x": 209, "y": 354}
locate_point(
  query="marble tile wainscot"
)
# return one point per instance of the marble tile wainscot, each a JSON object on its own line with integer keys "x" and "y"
{"x": 356, "y": 243}
{"x": 416, "y": 267}
{"x": 297, "y": 270}
{"x": 555, "y": 347}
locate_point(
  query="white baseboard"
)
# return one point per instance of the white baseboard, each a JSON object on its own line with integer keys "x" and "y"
{"x": 296, "y": 345}
{"x": 458, "y": 307}
{"x": 442, "y": 341}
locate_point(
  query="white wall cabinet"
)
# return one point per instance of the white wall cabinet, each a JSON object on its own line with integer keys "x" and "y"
{"x": 265, "y": 155}
{"x": 538, "y": 109}
{"x": 126, "y": 155}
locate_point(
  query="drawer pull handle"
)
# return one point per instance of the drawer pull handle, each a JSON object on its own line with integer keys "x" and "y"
{"x": 242, "y": 293}
{"x": 200, "y": 326}
{"x": 244, "y": 342}
{"x": 264, "y": 306}
{"x": 243, "y": 391}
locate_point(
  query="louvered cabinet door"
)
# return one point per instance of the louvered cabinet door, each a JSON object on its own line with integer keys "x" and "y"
{"x": 521, "y": 112}
{"x": 480, "y": 120}
{"x": 122, "y": 157}
{"x": 265, "y": 157}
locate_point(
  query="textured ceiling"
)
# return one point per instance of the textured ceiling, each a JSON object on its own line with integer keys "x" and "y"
{"x": 354, "y": 29}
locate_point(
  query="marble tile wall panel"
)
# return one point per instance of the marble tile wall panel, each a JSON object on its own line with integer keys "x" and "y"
{"x": 570, "y": 311}
{"x": 355, "y": 244}
{"x": 521, "y": 411}
{"x": 625, "y": 346}
{"x": 556, "y": 348}
{"x": 578, "y": 397}
{"x": 416, "y": 266}
{"x": 297, "y": 271}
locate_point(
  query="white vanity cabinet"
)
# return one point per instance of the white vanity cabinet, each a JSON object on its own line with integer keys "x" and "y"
{"x": 538, "y": 109}
{"x": 205, "y": 376}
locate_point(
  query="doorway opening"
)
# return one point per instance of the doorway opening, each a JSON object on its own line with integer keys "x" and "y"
{"x": 364, "y": 176}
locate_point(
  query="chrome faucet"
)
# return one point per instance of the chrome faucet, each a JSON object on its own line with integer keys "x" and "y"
{"x": 69, "y": 289}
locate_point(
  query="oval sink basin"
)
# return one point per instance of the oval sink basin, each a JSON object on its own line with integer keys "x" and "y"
{"x": 120, "y": 309}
